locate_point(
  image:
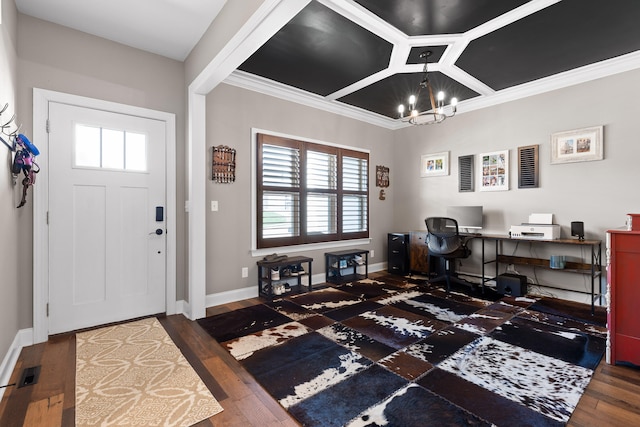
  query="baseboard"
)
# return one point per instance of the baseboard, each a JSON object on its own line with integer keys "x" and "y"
{"x": 231, "y": 296}
{"x": 23, "y": 338}
{"x": 380, "y": 266}
{"x": 182, "y": 307}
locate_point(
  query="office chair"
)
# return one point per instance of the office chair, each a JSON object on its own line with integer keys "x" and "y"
{"x": 444, "y": 241}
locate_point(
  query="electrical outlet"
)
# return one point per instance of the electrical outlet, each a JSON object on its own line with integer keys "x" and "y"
{"x": 371, "y": 253}
{"x": 245, "y": 272}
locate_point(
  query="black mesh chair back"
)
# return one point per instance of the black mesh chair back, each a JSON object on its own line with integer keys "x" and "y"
{"x": 444, "y": 240}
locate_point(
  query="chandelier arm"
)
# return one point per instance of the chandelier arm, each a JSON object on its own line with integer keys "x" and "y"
{"x": 432, "y": 99}
{"x": 426, "y": 83}
{"x": 418, "y": 96}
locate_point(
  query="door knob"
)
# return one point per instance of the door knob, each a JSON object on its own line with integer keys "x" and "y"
{"x": 158, "y": 231}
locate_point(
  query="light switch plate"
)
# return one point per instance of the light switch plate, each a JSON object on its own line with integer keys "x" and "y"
{"x": 214, "y": 206}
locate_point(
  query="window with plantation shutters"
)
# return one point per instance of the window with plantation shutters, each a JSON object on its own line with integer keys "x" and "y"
{"x": 322, "y": 188}
{"x": 281, "y": 191}
{"x": 309, "y": 192}
{"x": 354, "y": 194}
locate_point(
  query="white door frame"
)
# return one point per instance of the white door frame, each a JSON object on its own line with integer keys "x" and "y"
{"x": 41, "y": 99}
{"x": 260, "y": 27}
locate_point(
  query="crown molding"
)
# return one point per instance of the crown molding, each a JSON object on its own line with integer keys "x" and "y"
{"x": 488, "y": 99}
{"x": 569, "y": 78}
{"x": 269, "y": 87}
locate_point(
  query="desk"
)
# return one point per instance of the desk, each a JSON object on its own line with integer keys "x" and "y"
{"x": 594, "y": 268}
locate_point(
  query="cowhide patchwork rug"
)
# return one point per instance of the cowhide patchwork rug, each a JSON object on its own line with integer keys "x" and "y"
{"x": 391, "y": 352}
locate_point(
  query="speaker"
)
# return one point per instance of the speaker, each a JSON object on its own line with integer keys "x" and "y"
{"x": 511, "y": 284}
{"x": 577, "y": 229}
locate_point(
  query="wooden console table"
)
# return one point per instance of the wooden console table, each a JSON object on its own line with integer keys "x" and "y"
{"x": 594, "y": 268}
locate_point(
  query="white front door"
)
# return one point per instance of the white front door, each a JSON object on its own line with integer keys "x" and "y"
{"x": 107, "y": 199}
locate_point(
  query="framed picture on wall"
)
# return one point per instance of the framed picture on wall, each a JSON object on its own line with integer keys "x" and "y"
{"x": 436, "y": 164}
{"x": 382, "y": 176}
{"x": 493, "y": 169}
{"x": 578, "y": 145}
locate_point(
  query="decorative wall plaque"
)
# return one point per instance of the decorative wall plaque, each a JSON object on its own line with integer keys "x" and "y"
{"x": 224, "y": 164}
{"x": 382, "y": 176}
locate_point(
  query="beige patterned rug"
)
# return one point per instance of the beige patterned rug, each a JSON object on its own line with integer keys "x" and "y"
{"x": 133, "y": 374}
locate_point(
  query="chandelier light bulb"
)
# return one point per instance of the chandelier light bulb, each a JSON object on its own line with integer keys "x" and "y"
{"x": 454, "y": 102}
{"x": 441, "y": 96}
{"x": 401, "y": 110}
{"x": 412, "y": 100}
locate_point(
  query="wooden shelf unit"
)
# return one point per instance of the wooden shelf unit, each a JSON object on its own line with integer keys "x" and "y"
{"x": 570, "y": 267}
{"x": 266, "y": 281}
{"x": 593, "y": 268}
{"x": 336, "y": 273}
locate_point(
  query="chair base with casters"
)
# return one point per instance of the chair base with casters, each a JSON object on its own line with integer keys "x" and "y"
{"x": 446, "y": 272}
{"x": 444, "y": 241}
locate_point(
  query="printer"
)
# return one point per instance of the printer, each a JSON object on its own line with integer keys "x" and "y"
{"x": 540, "y": 226}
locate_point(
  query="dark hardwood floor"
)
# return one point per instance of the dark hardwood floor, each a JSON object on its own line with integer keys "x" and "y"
{"x": 611, "y": 399}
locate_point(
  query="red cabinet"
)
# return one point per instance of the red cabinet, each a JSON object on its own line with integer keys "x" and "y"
{"x": 623, "y": 296}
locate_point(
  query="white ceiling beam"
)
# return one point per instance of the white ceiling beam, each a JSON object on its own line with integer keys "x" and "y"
{"x": 366, "y": 19}
{"x": 268, "y": 20}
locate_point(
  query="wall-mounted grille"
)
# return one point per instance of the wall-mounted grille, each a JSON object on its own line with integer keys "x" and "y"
{"x": 465, "y": 173}
{"x": 29, "y": 376}
{"x": 528, "y": 166}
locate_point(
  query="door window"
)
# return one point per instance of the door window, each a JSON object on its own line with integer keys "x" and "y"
{"x": 100, "y": 148}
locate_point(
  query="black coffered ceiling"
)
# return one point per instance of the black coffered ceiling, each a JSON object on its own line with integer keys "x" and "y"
{"x": 384, "y": 96}
{"x": 321, "y": 52}
{"x": 421, "y": 18}
{"x": 364, "y": 54}
{"x": 562, "y": 37}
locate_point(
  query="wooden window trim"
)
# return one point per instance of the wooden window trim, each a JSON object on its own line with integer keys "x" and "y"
{"x": 303, "y": 191}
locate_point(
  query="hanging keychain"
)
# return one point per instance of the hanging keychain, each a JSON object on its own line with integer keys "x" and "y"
{"x": 24, "y": 160}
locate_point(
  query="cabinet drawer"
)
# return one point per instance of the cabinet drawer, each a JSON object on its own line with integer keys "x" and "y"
{"x": 626, "y": 242}
{"x": 398, "y": 253}
{"x": 627, "y": 349}
{"x": 418, "y": 252}
{"x": 396, "y": 242}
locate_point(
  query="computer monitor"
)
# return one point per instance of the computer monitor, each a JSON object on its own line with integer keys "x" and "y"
{"x": 469, "y": 218}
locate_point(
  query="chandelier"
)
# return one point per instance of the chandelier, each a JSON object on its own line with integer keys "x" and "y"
{"x": 437, "y": 112}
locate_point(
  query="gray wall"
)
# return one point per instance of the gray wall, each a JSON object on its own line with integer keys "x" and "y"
{"x": 10, "y": 233}
{"x": 60, "y": 59}
{"x": 600, "y": 193}
{"x": 231, "y": 113}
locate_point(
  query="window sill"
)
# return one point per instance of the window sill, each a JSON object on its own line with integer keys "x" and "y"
{"x": 309, "y": 247}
